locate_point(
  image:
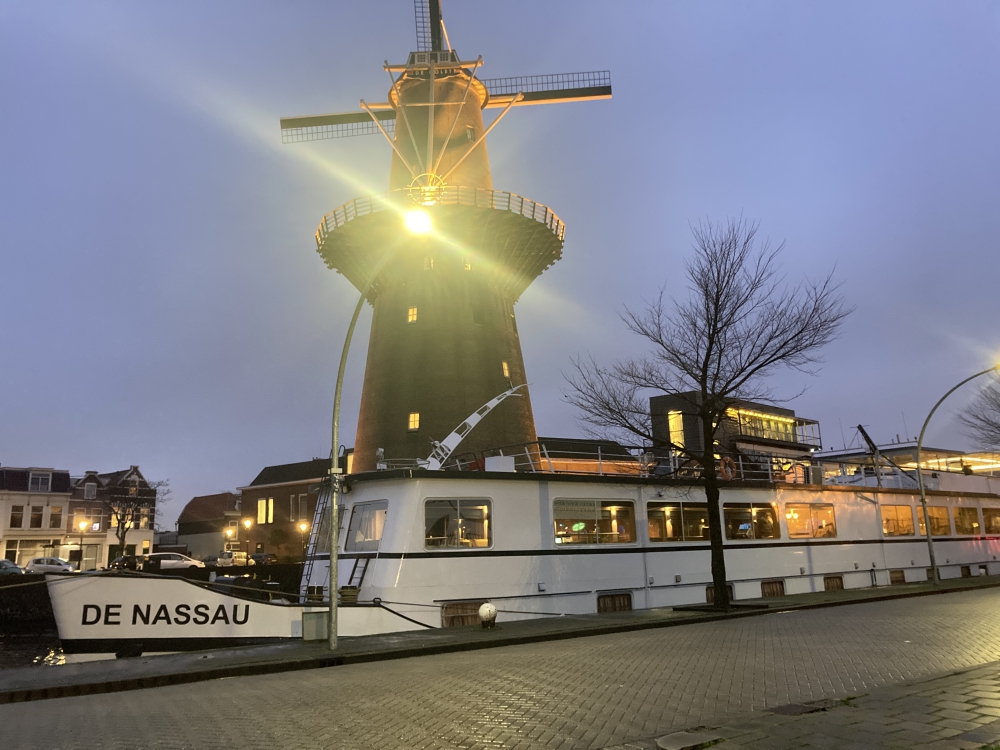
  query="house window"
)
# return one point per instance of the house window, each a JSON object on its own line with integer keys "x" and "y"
{"x": 506, "y": 369}
{"x": 365, "y": 530}
{"x": 810, "y": 520}
{"x": 39, "y": 482}
{"x": 457, "y": 523}
{"x": 750, "y": 521}
{"x": 16, "y": 516}
{"x": 55, "y": 517}
{"x": 270, "y": 510}
{"x": 413, "y": 421}
{"x": 261, "y": 511}
{"x": 36, "y": 516}
{"x": 897, "y": 520}
{"x": 991, "y": 520}
{"x": 145, "y": 546}
{"x": 411, "y": 315}
{"x": 293, "y": 506}
{"x": 428, "y": 263}
{"x": 966, "y": 520}
{"x": 940, "y": 525}
{"x": 303, "y": 507}
{"x": 90, "y": 491}
{"x": 593, "y": 521}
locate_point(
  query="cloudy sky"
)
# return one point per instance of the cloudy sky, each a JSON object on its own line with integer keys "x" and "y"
{"x": 162, "y": 303}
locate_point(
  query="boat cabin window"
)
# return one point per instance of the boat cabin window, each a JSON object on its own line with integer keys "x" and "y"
{"x": 750, "y": 521}
{"x": 807, "y": 520}
{"x": 897, "y": 520}
{"x": 365, "y": 530}
{"x": 458, "y": 523}
{"x": 991, "y": 520}
{"x": 940, "y": 525}
{"x": 966, "y": 520}
{"x": 594, "y": 521}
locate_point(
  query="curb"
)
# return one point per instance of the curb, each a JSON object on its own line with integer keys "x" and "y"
{"x": 363, "y": 657}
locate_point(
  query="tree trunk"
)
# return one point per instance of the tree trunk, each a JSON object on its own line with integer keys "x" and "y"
{"x": 714, "y": 517}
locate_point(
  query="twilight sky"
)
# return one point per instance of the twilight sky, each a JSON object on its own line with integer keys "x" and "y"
{"x": 163, "y": 305}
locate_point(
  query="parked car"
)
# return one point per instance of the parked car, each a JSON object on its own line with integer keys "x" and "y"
{"x": 7, "y": 568}
{"x": 227, "y": 559}
{"x": 49, "y": 565}
{"x": 128, "y": 562}
{"x": 210, "y": 560}
{"x": 264, "y": 558}
{"x": 173, "y": 561}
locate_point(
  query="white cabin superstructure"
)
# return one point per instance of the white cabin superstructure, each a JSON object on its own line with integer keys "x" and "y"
{"x": 432, "y": 546}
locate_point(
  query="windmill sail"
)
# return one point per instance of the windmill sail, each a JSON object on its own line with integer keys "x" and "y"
{"x": 552, "y": 88}
{"x": 339, "y": 125}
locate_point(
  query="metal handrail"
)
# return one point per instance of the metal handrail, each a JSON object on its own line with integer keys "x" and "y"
{"x": 448, "y": 195}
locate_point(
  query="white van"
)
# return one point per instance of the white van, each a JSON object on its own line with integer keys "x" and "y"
{"x": 228, "y": 559}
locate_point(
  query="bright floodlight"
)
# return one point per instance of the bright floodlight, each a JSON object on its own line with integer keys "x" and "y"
{"x": 418, "y": 222}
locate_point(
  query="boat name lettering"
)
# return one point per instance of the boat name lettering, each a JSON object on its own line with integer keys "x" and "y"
{"x": 200, "y": 614}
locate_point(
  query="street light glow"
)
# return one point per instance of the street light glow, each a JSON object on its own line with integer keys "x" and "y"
{"x": 418, "y": 222}
{"x": 247, "y": 523}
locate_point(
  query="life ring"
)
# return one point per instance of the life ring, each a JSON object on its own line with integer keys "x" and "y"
{"x": 727, "y": 468}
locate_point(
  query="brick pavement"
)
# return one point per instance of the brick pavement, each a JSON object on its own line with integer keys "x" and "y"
{"x": 590, "y": 692}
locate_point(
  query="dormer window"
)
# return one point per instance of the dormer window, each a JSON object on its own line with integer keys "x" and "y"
{"x": 39, "y": 482}
{"x": 90, "y": 491}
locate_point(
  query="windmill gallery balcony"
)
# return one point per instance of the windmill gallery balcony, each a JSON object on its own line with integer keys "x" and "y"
{"x": 509, "y": 232}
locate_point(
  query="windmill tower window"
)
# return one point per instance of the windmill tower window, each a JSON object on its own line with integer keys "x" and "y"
{"x": 428, "y": 263}
{"x": 411, "y": 315}
{"x": 506, "y": 369}
{"x": 470, "y": 133}
{"x": 413, "y": 423}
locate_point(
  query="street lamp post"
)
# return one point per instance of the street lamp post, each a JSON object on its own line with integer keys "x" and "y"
{"x": 415, "y": 226}
{"x": 920, "y": 473}
{"x": 83, "y": 527}
{"x": 303, "y": 528}
{"x": 247, "y": 523}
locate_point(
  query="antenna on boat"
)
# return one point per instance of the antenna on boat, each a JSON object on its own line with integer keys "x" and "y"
{"x": 447, "y": 446}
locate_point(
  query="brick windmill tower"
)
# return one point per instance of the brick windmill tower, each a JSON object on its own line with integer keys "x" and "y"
{"x": 455, "y": 254}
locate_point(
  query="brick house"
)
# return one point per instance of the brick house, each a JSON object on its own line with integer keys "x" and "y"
{"x": 277, "y": 503}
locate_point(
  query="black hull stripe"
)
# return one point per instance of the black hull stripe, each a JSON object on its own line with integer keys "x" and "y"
{"x": 634, "y": 550}
{"x": 111, "y": 645}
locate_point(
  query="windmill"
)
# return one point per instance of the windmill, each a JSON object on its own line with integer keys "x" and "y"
{"x": 444, "y": 337}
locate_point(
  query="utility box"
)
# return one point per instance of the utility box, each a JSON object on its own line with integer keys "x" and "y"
{"x": 314, "y": 625}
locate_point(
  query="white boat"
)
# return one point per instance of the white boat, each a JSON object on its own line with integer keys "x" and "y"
{"x": 423, "y": 549}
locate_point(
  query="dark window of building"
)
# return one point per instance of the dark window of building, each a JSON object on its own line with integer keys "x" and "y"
{"x": 90, "y": 491}
{"x": 36, "y": 516}
{"x": 16, "y": 516}
{"x": 750, "y": 521}
{"x": 39, "y": 482}
{"x": 695, "y": 521}
{"x": 55, "y": 517}
{"x": 303, "y": 507}
{"x": 593, "y": 521}
{"x": 458, "y": 523}
{"x": 619, "y": 602}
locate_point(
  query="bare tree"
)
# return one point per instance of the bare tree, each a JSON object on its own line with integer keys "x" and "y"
{"x": 981, "y": 418}
{"x": 739, "y": 324}
{"x": 128, "y": 503}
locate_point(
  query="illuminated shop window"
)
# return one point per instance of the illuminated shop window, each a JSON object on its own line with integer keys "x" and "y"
{"x": 414, "y": 421}
{"x": 897, "y": 520}
{"x": 411, "y": 315}
{"x": 811, "y": 520}
{"x": 506, "y": 369}
{"x": 593, "y": 521}
{"x": 457, "y": 523}
{"x": 751, "y": 521}
{"x": 940, "y": 524}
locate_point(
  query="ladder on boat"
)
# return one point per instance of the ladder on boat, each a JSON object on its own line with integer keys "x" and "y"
{"x": 358, "y": 571}
{"x": 320, "y": 527}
